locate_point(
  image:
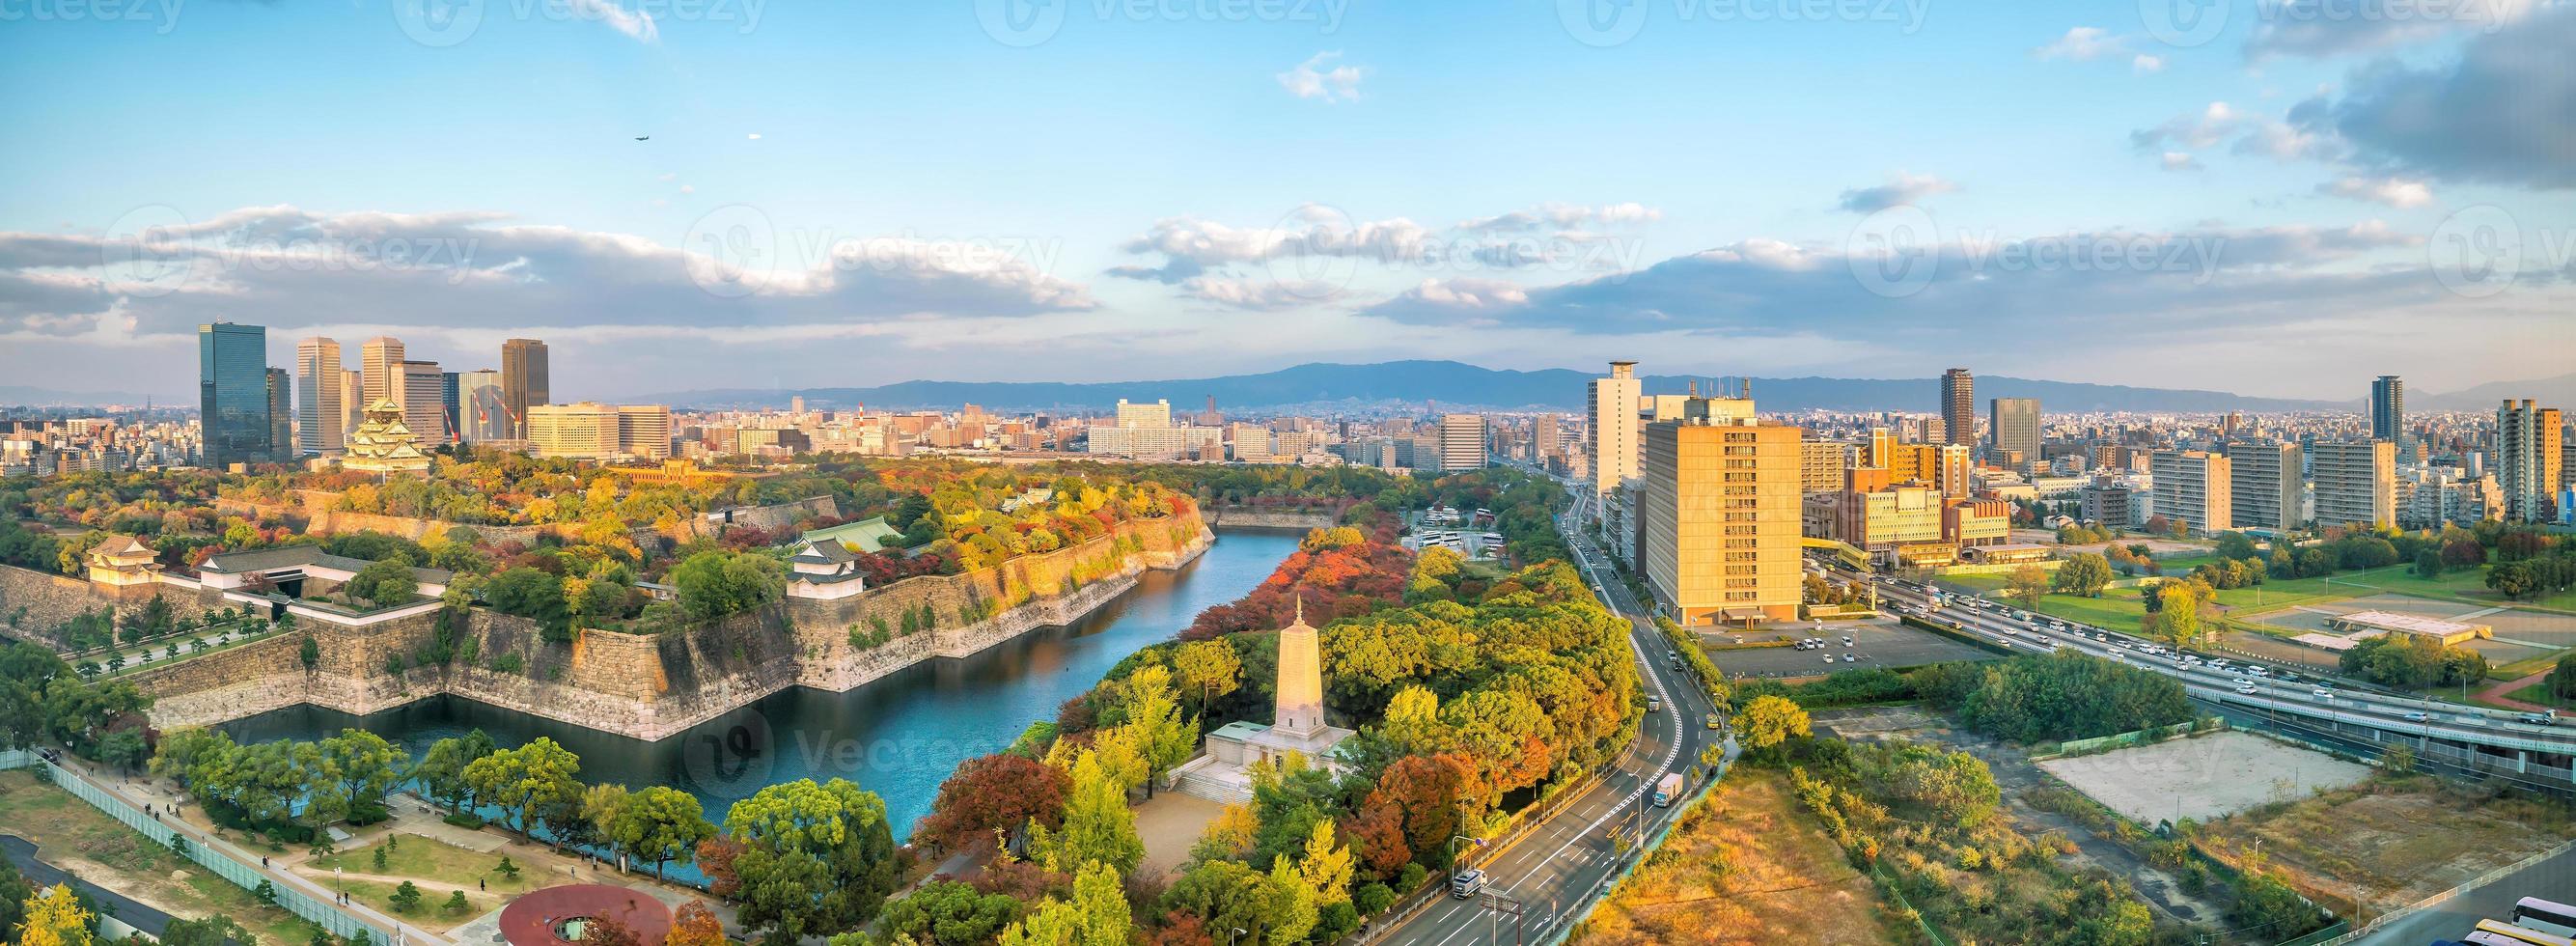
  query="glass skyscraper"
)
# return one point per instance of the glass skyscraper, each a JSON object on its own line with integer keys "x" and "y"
{"x": 232, "y": 394}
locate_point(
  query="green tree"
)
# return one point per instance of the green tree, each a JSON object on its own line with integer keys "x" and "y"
{"x": 523, "y": 779}
{"x": 818, "y": 859}
{"x": 2086, "y": 574}
{"x": 441, "y": 770}
{"x": 2026, "y": 585}
{"x": 384, "y": 584}
{"x": 659, "y": 824}
{"x": 1207, "y": 670}
{"x": 1769, "y": 722}
{"x": 362, "y": 769}
{"x": 2562, "y": 678}
{"x": 947, "y": 911}
{"x": 406, "y": 898}
{"x": 310, "y": 653}
{"x": 2176, "y": 618}
{"x": 716, "y": 583}
{"x": 1098, "y": 827}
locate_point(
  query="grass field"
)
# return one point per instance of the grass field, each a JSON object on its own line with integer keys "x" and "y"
{"x": 2390, "y": 842}
{"x": 87, "y": 843}
{"x": 432, "y": 913}
{"x": 423, "y": 858}
{"x": 1747, "y": 866}
{"x": 2538, "y": 693}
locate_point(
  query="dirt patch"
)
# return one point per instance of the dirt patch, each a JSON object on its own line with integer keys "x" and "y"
{"x": 88, "y": 844}
{"x": 1747, "y": 866}
{"x": 2202, "y": 777}
{"x": 2389, "y": 843}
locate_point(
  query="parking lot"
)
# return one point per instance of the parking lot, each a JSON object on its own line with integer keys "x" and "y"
{"x": 1878, "y": 643}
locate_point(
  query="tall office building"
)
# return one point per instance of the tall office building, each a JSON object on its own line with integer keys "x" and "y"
{"x": 594, "y": 431}
{"x": 1462, "y": 442}
{"x": 1157, "y": 414}
{"x": 1612, "y": 404}
{"x": 644, "y": 431}
{"x": 2527, "y": 457}
{"x": 2193, "y": 487}
{"x": 2263, "y": 485}
{"x": 1959, "y": 406}
{"x": 1718, "y": 520}
{"x": 232, "y": 394}
{"x": 281, "y": 415}
{"x": 380, "y": 362}
{"x": 483, "y": 408}
{"x": 450, "y": 400}
{"x": 2016, "y": 427}
{"x": 2388, "y": 408}
{"x": 1547, "y": 437}
{"x": 424, "y": 405}
{"x": 524, "y": 381}
{"x": 318, "y": 411}
{"x": 353, "y": 403}
{"x": 2356, "y": 482}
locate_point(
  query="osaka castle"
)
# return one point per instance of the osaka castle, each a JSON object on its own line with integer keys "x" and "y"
{"x": 384, "y": 444}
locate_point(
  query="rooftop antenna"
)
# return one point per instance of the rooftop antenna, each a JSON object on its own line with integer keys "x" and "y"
{"x": 1301, "y": 608}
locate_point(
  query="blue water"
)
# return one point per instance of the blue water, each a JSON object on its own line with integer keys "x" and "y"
{"x": 899, "y": 736}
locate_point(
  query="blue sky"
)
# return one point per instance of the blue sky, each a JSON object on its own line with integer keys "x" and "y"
{"x": 2304, "y": 198}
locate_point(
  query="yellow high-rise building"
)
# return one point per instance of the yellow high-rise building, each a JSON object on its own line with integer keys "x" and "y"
{"x": 1717, "y": 519}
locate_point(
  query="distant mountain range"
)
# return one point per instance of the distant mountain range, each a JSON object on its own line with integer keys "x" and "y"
{"x": 1464, "y": 385}
{"x": 2547, "y": 392}
{"x": 23, "y": 395}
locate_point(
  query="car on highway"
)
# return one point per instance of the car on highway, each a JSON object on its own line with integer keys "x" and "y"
{"x": 2245, "y": 689}
{"x": 1712, "y": 720}
{"x": 2418, "y": 716}
{"x": 1848, "y": 658}
{"x": 2322, "y": 693}
{"x": 1654, "y": 704}
{"x": 1829, "y": 658}
{"x": 2241, "y": 682}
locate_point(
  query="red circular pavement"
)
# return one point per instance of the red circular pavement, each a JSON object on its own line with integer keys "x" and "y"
{"x": 537, "y": 919}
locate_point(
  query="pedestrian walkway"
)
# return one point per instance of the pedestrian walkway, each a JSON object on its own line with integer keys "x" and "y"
{"x": 295, "y": 894}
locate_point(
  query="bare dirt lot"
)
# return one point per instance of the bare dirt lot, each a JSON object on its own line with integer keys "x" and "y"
{"x": 1748, "y": 866}
{"x": 1874, "y": 644}
{"x": 2202, "y": 777}
{"x": 2389, "y": 843}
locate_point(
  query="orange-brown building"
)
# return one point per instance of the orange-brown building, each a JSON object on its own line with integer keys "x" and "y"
{"x": 1717, "y": 517}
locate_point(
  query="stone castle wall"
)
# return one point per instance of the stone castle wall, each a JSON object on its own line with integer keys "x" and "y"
{"x": 654, "y": 686}
{"x": 51, "y": 601}
{"x": 1266, "y": 517}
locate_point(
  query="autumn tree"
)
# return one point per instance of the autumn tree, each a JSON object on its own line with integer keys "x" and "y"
{"x": 2086, "y": 574}
{"x": 1207, "y": 670}
{"x": 658, "y": 824}
{"x": 2026, "y": 585}
{"x": 55, "y": 918}
{"x": 695, "y": 925}
{"x": 1769, "y": 722}
{"x": 999, "y": 792}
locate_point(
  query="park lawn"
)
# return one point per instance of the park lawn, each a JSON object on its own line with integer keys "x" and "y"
{"x": 86, "y": 842}
{"x": 1748, "y": 865}
{"x": 2538, "y": 693}
{"x": 423, "y": 858}
{"x": 1974, "y": 582}
{"x": 431, "y": 914}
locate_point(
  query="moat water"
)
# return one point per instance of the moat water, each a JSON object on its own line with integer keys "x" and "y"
{"x": 899, "y": 736}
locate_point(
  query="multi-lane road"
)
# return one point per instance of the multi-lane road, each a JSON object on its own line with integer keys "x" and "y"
{"x": 1553, "y": 872}
{"x": 2307, "y": 699}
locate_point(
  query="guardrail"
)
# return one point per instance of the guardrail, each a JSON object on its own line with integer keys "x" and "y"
{"x": 1566, "y": 922}
{"x": 2419, "y": 906}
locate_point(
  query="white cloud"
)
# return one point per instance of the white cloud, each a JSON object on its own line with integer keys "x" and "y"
{"x": 2180, "y": 161}
{"x": 2395, "y": 192}
{"x": 1316, "y": 78}
{"x": 1905, "y": 189}
{"x": 754, "y": 136}
{"x": 636, "y": 25}
{"x": 2145, "y": 63}
{"x": 1562, "y": 216}
{"x": 2329, "y": 28}
{"x": 2083, "y": 43}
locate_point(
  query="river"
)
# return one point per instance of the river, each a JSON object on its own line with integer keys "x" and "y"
{"x": 898, "y": 736}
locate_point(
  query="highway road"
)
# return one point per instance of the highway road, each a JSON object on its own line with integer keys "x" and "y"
{"x": 1552, "y": 872}
{"x": 2300, "y": 697}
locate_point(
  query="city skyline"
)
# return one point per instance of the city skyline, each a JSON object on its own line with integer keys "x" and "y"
{"x": 2288, "y": 232}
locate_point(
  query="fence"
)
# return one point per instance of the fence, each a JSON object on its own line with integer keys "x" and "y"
{"x": 202, "y": 850}
{"x": 2137, "y": 737}
{"x": 1583, "y": 906}
{"x": 1887, "y": 885}
{"x": 2482, "y": 880}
